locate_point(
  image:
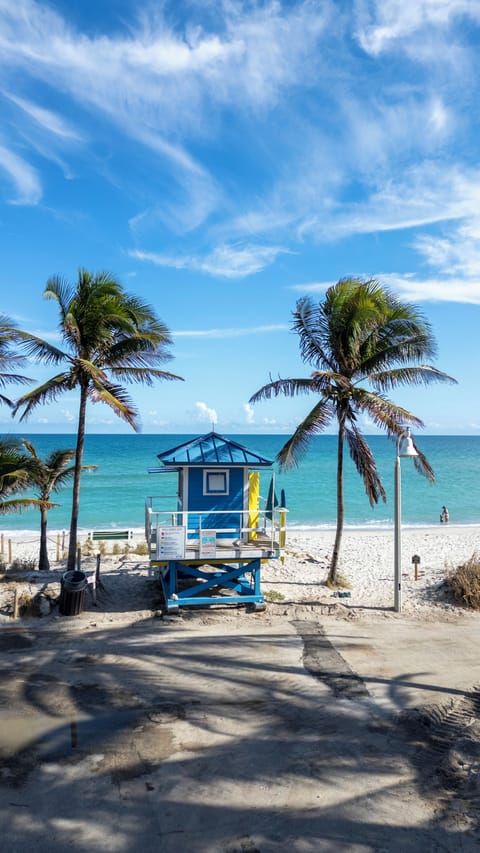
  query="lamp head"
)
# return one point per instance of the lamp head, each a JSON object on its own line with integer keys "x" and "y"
{"x": 405, "y": 445}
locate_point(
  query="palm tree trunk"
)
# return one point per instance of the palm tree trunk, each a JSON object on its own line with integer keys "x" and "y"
{"x": 332, "y": 574}
{"x": 43, "y": 561}
{"x": 72, "y": 545}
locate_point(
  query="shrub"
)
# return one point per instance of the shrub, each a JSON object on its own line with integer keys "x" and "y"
{"x": 141, "y": 548}
{"x": 464, "y": 582}
{"x": 25, "y": 565}
{"x": 273, "y": 595}
{"x": 340, "y": 583}
{"x": 116, "y": 549}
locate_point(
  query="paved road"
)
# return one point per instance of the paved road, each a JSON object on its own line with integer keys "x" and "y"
{"x": 248, "y": 735}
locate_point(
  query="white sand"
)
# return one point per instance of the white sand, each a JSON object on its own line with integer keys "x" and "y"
{"x": 366, "y": 563}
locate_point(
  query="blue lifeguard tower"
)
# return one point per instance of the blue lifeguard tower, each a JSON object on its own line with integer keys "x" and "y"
{"x": 209, "y": 545}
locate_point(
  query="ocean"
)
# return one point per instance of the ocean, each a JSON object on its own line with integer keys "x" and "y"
{"x": 114, "y": 494}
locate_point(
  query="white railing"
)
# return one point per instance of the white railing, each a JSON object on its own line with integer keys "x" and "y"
{"x": 268, "y": 524}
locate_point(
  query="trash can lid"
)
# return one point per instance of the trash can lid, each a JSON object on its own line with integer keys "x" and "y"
{"x": 74, "y": 576}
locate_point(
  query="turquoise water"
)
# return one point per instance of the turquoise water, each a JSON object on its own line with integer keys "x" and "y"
{"x": 114, "y": 495}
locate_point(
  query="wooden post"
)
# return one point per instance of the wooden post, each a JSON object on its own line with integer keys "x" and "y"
{"x": 9, "y": 552}
{"x": 79, "y": 558}
{"x": 58, "y": 548}
{"x": 63, "y": 541}
{"x": 3, "y": 546}
{"x": 97, "y": 571}
{"x": 15, "y": 604}
{"x": 416, "y": 562}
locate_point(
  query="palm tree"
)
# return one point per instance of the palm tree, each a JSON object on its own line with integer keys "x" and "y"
{"x": 360, "y": 333}
{"x": 47, "y": 475}
{"x": 9, "y": 359}
{"x": 15, "y": 472}
{"x": 110, "y": 338}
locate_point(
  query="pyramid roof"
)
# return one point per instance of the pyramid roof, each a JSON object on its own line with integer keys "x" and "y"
{"x": 210, "y": 450}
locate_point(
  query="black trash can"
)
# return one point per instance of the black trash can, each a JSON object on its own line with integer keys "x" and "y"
{"x": 72, "y": 593}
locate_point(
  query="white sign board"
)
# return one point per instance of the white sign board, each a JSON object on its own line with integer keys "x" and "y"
{"x": 208, "y": 544}
{"x": 171, "y": 543}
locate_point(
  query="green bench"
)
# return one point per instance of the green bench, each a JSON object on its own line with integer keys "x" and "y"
{"x": 107, "y": 535}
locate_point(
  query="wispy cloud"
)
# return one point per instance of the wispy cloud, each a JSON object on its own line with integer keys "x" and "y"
{"x": 23, "y": 176}
{"x": 231, "y": 332}
{"x": 383, "y": 22}
{"x": 435, "y": 289}
{"x": 47, "y": 119}
{"x": 225, "y": 261}
{"x": 428, "y": 193}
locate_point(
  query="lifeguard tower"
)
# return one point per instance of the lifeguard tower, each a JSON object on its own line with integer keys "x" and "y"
{"x": 209, "y": 537}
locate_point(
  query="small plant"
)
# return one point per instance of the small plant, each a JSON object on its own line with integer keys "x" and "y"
{"x": 340, "y": 583}
{"x": 464, "y": 582}
{"x": 24, "y": 565}
{"x": 87, "y": 548}
{"x": 141, "y": 548}
{"x": 102, "y": 548}
{"x": 126, "y": 549}
{"x": 116, "y": 549}
{"x": 24, "y": 604}
{"x": 273, "y": 595}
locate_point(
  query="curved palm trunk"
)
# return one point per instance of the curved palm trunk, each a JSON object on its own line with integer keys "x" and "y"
{"x": 72, "y": 545}
{"x": 43, "y": 561}
{"x": 332, "y": 574}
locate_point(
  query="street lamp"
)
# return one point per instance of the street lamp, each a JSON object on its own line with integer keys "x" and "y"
{"x": 405, "y": 448}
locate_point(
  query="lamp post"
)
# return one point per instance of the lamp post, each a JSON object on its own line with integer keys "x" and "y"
{"x": 405, "y": 448}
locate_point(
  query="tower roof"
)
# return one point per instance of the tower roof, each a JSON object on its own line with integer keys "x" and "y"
{"x": 212, "y": 449}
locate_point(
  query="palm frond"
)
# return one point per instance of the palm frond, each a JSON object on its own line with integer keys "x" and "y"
{"x": 422, "y": 374}
{"x": 41, "y": 350}
{"x": 383, "y": 412}
{"x": 364, "y": 462}
{"x": 285, "y": 387}
{"x": 45, "y": 393}
{"x": 17, "y": 504}
{"x": 136, "y": 350}
{"x": 62, "y": 292}
{"x": 7, "y": 378}
{"x": 422, "y": 465}
{"x": 143, "y": 375}
{"x": 315, "y": 423}
{"x": 311, "y": 325}
{"x": 117, "y": 399}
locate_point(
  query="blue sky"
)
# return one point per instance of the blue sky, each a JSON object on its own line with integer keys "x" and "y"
{"x": 224, "y": 159}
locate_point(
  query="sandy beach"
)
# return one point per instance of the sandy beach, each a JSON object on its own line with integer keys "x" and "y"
{"x": 366, "y": 563}
{"x": 320, "y": 725}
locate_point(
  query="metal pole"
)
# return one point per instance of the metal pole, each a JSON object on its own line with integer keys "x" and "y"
{"x": 398, "y": 537}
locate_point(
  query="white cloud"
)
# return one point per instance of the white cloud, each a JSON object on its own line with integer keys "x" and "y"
{"x": 235, "y": 261}
{"x": 47, "y": 119}
{"x": 249, "y": 413}
{"x": 167, "y": 77}
{"x": 23, "y": 176}
{"x": 230, "y": 333}
{"x": 434, "y": 289}
{"x": 312, "y": 287}
{"x": 205, "y": 413}
{"x": 457, "y": 253}
{"x": 68, "y": 415}
{"x": 383, "y": 22}
{"x": 427, "y": 193}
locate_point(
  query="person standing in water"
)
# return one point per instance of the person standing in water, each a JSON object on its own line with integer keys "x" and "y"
{"x": 444, "y": 515}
